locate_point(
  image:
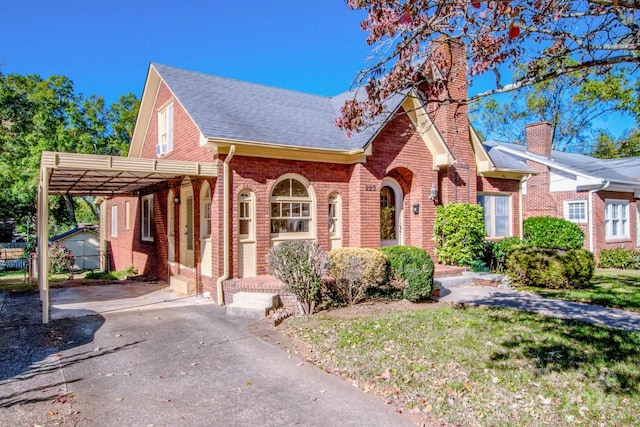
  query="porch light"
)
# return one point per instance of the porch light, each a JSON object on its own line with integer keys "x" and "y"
{"x": 176, "y": 200}
{"x": 433, "y": 193}
{"x": 416, "y": 208}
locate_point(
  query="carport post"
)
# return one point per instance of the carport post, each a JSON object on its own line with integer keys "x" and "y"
{"x": 43, "y": 241}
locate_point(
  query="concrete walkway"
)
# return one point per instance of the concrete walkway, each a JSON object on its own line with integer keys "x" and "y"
{"x": 511, "y": 298}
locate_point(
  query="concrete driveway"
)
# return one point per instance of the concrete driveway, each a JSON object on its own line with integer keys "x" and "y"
{"x": 188, "y": 365}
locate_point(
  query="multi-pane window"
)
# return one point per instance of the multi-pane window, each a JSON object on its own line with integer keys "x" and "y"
{"x": 165, "y": 130}
{"x": 290, "y": 208}
{"x": 616, "y": 218}
{"x": 497, "y": 214}
{"x": 114, "y": 221}
{"x": 146, "y": 218}
{"x": 334, "y": 215}
{"x": 575, "y": 211}
{"x": 245, "y": 214}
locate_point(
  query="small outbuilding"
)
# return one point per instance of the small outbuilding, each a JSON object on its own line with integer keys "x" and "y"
{"x": 84, "y": 243}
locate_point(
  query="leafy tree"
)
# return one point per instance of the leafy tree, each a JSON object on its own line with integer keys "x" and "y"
{"x": 38, "y": 114}
{"x": 548, "y": 38}
{"x": 626, "y": 146}
{"x": 568, "y": 102}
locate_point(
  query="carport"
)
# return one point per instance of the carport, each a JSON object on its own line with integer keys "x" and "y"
{"x": 99, "y": 176}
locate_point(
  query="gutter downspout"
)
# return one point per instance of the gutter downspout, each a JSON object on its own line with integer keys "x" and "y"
{"x": 225, "y": 225}
{"x": 591, "y": 216}
{"x": 523, "y": 181}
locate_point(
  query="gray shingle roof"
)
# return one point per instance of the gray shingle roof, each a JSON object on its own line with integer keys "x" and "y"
{"x": 607, "y": 170}
{"x": 232, "y": 109}
{"x": 504, "y": 160}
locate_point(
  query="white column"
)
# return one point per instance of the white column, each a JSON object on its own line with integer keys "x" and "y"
{"x": 43, "y": 242}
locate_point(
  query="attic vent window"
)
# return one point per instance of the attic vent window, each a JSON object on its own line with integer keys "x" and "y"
{"x": 165, "y": 131}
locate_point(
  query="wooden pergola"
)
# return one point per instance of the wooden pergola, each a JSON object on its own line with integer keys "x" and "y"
{"x": 99, "y": 176}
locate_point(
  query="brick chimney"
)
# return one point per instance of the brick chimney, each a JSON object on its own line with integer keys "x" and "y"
{"x": 457, "y": 182}
{"x": 539, "y": 137}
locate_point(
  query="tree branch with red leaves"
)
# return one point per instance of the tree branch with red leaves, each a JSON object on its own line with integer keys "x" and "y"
{"x": 546, "y": 38}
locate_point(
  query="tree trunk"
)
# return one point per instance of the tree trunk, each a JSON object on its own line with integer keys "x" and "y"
{"x": 71, "y": 209}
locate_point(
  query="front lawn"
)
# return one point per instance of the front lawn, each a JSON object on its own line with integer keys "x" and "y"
{"x": 609, "y": 287}
{"x": 482, "y": 366}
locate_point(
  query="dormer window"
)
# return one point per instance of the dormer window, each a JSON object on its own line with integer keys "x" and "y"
{"x": 165, "y": 131}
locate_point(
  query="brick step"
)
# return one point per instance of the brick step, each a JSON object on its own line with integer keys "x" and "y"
{"x": 255, "y": 305}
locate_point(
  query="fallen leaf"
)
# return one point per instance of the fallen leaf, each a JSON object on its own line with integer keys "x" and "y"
{"x": 119, "y": 399}
{"x": 110, "y": 374}
{"x": 427, "y": 408}
{"x": 118, "y": 335}
{"x": 96, "y": 349}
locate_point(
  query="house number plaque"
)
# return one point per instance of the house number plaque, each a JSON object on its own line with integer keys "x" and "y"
{"x": 369, "y": 188}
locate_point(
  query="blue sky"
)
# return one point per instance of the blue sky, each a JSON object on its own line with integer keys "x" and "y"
{"x": 105, "y": 47}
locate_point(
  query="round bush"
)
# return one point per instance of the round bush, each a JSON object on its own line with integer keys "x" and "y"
{"x": 555, "y": 233}
{"x": 355, "y": 270}
{"x": 459, "y": 233}
{"x": 550, "y": 268}
{"x": 413, "y": 266}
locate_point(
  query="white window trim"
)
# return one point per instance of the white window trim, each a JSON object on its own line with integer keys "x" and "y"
{"x": 165, "y": 130}
{"x": 146, "y": 216}
{"x": 312, "y": 209}
{"x": 337, "y": 203}
{"x": 566, "y": 211}
{"x": 626, "y": 224}
{"x": 491, "y": 233}
{"x": 247, "y": 238}
{"x": 205, "y": 214}
{"x": 114, "y": 221}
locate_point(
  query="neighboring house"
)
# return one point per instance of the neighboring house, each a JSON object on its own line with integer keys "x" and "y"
{"x": 84, "y": 244}
{"x": 598, "y": 195}
{"x": 285, "y": 172}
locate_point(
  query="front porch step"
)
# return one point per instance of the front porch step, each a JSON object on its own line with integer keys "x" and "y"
{"x": 255, "y": 305}
{"x": 182, "y": 285}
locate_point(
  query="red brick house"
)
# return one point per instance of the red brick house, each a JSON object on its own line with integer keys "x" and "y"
{"x": 601, "y": 196}
{"x": 284, "y": 171}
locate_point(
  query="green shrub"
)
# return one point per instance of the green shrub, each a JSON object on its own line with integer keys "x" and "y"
{"x": 479, "y": 266}
{"x": 549, "y": 232}
{"x": 355, "y": 270}
{"x": 620, "y": 258}
{"x": 550, "y": 268}
{"x": 300, "y": 264}
{"x": 496, "y": 253}
{"x": 459, "y": 233}
{"x": 100, "y": 275}
{"x": 414, "y": 267}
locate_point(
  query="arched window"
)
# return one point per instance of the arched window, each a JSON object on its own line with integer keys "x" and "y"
{"x": 245, "y": 215}
{"x": 291, "y": 209}
{"x": 335, "y": 221}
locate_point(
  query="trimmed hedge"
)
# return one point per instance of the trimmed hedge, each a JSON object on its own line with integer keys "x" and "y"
{"x": 620, "y": 258}
{"x": 414, "y": 267}
{"x": 550, "y": 268}
{"x": 355, "y": 270}
{"x": 550, "y": 232}
{"x": 459, "y": 233}
{"x": 497, "y": 253}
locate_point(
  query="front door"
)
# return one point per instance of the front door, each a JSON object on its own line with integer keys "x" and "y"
{"x": 186, "y": 227}
{"x": 390, "y": 213}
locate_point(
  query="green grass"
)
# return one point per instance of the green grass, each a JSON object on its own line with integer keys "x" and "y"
{"x": 609, "y": 288}
{"x": 483, "y": 366}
